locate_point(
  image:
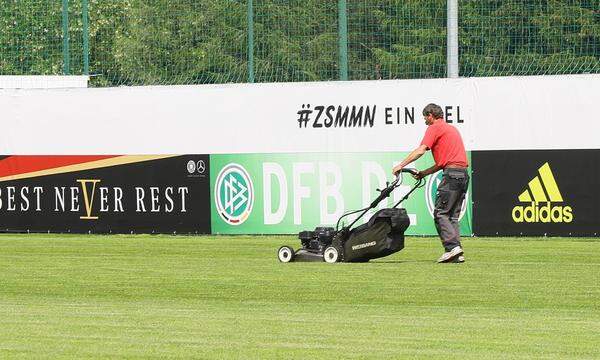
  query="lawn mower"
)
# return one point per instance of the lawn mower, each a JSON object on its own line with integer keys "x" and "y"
{"x": 381, "y": 236}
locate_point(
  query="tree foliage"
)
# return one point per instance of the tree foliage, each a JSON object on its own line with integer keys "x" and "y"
{"x": 143, "y": 42}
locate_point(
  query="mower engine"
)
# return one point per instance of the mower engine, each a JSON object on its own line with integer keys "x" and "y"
{"x": 318, "y": 239}
{"x": 313, "y": 247}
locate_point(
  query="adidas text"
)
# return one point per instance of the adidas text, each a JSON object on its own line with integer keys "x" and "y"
{"x": 542, "y": 212}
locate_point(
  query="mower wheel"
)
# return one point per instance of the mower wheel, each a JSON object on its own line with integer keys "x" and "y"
{"x": 285, "y": 254}
{"x": 331, "y": 254}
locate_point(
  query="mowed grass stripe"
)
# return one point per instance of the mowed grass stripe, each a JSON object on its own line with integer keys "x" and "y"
{"x": 228, "y": 297}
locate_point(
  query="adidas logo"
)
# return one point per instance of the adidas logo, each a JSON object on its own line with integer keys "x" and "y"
{"x": 541, "y": 194}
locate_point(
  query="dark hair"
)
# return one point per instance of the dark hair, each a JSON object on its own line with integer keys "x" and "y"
{"x": 433, "y": 109}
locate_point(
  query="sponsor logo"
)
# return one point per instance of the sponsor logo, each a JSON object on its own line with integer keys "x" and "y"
{"x": 542, "y": 195}
{"x": 234, "y": 194}
{"x": 201, "y": 167}
{"x": 191, "y": 166}
{"x": 91, "y": 199}
{"x": 365, "y": 245}
{"x": 196, "y": 168}
{"x": 431, "y": 188}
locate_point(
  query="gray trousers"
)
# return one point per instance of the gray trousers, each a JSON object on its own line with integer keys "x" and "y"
{"x": 450, "y": 196}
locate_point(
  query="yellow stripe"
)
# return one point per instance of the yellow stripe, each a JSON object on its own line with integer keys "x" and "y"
{"x": 550, "y": 183}
{"x": 524, "y": 197}
{"x": 536, "y": 189}
{"x": 119, "y": 160}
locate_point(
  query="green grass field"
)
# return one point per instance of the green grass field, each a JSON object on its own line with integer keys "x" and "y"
{"x": 228, "y": 297}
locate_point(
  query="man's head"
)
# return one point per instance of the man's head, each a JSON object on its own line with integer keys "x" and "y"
{"x": 431, "y": 113}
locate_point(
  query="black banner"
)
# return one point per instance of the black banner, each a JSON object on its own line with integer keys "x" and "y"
{"x": 105, "y": 194}
{"x": 535, "y": 192}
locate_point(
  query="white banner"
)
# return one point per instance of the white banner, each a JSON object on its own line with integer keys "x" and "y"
{"x": 538, "y": 112}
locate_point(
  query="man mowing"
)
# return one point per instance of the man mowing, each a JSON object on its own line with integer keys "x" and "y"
{"x": 449, "y": 154}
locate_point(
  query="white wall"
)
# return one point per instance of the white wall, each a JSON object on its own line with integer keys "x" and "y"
{"x": 540, "y": 112}
{"x": 43, "y": 81}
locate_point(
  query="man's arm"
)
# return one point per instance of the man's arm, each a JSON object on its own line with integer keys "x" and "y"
{"x": 427, "y": 172}
{"x": 414, "y": 155}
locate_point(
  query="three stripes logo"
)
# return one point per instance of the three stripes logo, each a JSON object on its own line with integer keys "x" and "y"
{"x": 234, "y": 194}
{"x": 542, "y": 196}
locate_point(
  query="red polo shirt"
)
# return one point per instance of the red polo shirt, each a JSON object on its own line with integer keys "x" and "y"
{"x": 446, "y": 144}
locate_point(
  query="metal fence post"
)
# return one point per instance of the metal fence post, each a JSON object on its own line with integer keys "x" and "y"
{"x": 65, "y": 29}
{"x": 343, "y": 39}
{"x": 86, "y": 37}
{"x": 452, "y": 39}
{"x": 250, "y": 16}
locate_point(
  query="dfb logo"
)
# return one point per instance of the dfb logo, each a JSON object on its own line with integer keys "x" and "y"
{"x": 234, "y": 194}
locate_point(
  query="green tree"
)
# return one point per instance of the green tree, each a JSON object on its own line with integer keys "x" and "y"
{"x": 145, "y": 42}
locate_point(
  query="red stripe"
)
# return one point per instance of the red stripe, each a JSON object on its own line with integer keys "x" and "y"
{"x": 23, "y": 164}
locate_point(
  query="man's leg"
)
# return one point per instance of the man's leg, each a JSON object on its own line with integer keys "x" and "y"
{"x": 462, "y": 184}
{"x": 455, "y": 215}
{"x": 445, "y": 209}
{"x": 450, "y": 196}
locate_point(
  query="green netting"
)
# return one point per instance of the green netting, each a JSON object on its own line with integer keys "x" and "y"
{"x": 30, "y": 38}
{"x": 137, "y": 42}
{"x": 295, "y": 40}
{"x": 397, "y": 39}
{"x": 149, "y": 42}
{"x": 499, "y": 38}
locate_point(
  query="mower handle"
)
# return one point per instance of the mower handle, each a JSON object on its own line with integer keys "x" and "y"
{"x": 384, "y": 193}
{"x": 389, "y": 187}
{"x": 410, "y": 171}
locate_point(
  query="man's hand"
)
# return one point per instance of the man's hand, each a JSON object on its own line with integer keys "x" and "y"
{"x": 396, "y": 170}
{"x": 424, "y": 173}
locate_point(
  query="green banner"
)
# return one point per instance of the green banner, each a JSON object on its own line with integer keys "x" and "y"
{"x": 288, "y": 193}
